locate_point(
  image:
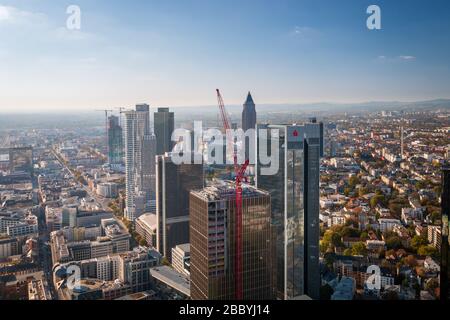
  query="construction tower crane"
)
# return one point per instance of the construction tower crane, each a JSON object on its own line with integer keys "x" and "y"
{"x": 121, "y": 111}
{"x": 239, "y": 171}
{"x": 106, "y": 111}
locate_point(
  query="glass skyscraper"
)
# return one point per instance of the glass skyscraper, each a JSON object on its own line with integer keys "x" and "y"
{"x": 173, "y": 185}
{"x": 294, "y": 190}
{"x": 115, "y": 143}
{"x": 139, "y": 152}
{"x": 445, "y": 245}
{"x": 164, "y": 126}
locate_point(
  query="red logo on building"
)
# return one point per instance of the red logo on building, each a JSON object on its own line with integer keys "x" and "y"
{"x": 295, "y": 133}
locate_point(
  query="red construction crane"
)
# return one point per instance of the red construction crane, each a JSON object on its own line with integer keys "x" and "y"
{"x": 239, "y": 171}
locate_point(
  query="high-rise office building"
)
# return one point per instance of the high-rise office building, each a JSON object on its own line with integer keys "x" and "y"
{"x": 164, "y": 126}
{"x": 445, "y": 245}
{"x": 173, "y": 184}
{"x": 146, "y": 169}
{"x": 213, "y": 244}
{"x": 322, "y": 135}
{"x": 115, "y": 143}
{"x": 249, "y": 122}
{"x": 249, "y": 114}
{"x": 139, "y": 152}
{"x": 294, "y": 190}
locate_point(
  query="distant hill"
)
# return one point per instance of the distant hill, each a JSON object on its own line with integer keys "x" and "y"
{"x": 341, "y": 107}
{"x": 84, "y": 118}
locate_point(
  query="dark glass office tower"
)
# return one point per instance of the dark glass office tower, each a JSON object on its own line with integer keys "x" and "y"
{"x": 249, "y": 122}
{"x": 213, "y": 253}
{"x": 294, "y": 190}
{"x": 164, "y": 126}
{"x": 115, "y": 142}
{"x": 173, "y": 185}
{"x": 445, "y": 245}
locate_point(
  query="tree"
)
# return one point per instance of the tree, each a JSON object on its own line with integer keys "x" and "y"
{"x": 393, "y": 242}
{"x": 329, "y": 259}
{"x": 347, "y": 191}
{"x": 165, "y": 261}
{"x": 432, "y": 284}
{"x": 410, "y": 261}
{"x": 390, "y": 253}
{"x": 377, "y": 199}
{"x": 396, "y": 209}
{"x": 359, "y": 249}
{"x": 353, "y": 181}
{"x": 420, "y": 271}
{"x": 348, "y": 252}
{"x": 363, "y": 191}
{"x": 435, "y": 215}
{"x": 351, "y": 222}
{"x": 427, "y": 251}
{"x": 332, "y": 238}
{"x": 418, "y": 241}
{"x": 350, "y": 232}
{"x": 323, "y": 246}
{"x": 421, "y": 185}
{"x": 364, "y": 236}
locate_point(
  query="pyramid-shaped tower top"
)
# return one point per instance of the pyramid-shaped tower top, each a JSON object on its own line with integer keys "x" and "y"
{"x": 249, "y": 99}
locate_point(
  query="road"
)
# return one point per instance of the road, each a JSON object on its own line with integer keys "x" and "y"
{"x": 102, "y": 202}
{"x": 45, "y": 255}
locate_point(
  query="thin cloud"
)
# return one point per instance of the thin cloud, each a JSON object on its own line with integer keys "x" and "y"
{"x": 63, "y": 33}
{"x": 16, "y": 16}
{"x": 39, "y": 26}
{"x": 408, "y": 58}
{"x": 402, "y": 58}
{"x": 304, "y": 32}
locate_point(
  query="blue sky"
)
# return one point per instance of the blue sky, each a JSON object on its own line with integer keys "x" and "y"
{"x": 175, "y": 53}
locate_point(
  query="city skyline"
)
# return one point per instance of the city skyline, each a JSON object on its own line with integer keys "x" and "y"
{"x": 255, "y": 151}
{"x": 289, "y": 52}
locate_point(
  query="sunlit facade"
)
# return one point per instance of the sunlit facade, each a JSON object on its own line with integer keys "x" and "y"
{"x": 295, "y": 206}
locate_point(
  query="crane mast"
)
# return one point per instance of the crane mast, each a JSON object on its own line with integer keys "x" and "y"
{"x": 239, "y": 171}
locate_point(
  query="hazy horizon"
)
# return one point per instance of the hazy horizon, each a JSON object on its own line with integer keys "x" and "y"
{"x": 322, "y": 105}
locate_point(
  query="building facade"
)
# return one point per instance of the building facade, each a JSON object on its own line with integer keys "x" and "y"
{"x": 445, "y": 245}
{"x": 294, "y": 189}
{"x": 164, "y": 126}
{"x": 146, "y": 227}
{"x": 181, "y": 258}
{"x": 139, "y": 152}
{"x": 173, "y": 185}
{"x": 249, "y": 114}
{"x": 115, "y": 143}
{"x": 213, "y": 244}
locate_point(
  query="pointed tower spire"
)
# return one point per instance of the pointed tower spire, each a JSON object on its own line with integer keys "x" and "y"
{"x": 249, "y": 113}
{"x": 249, "y": 99}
